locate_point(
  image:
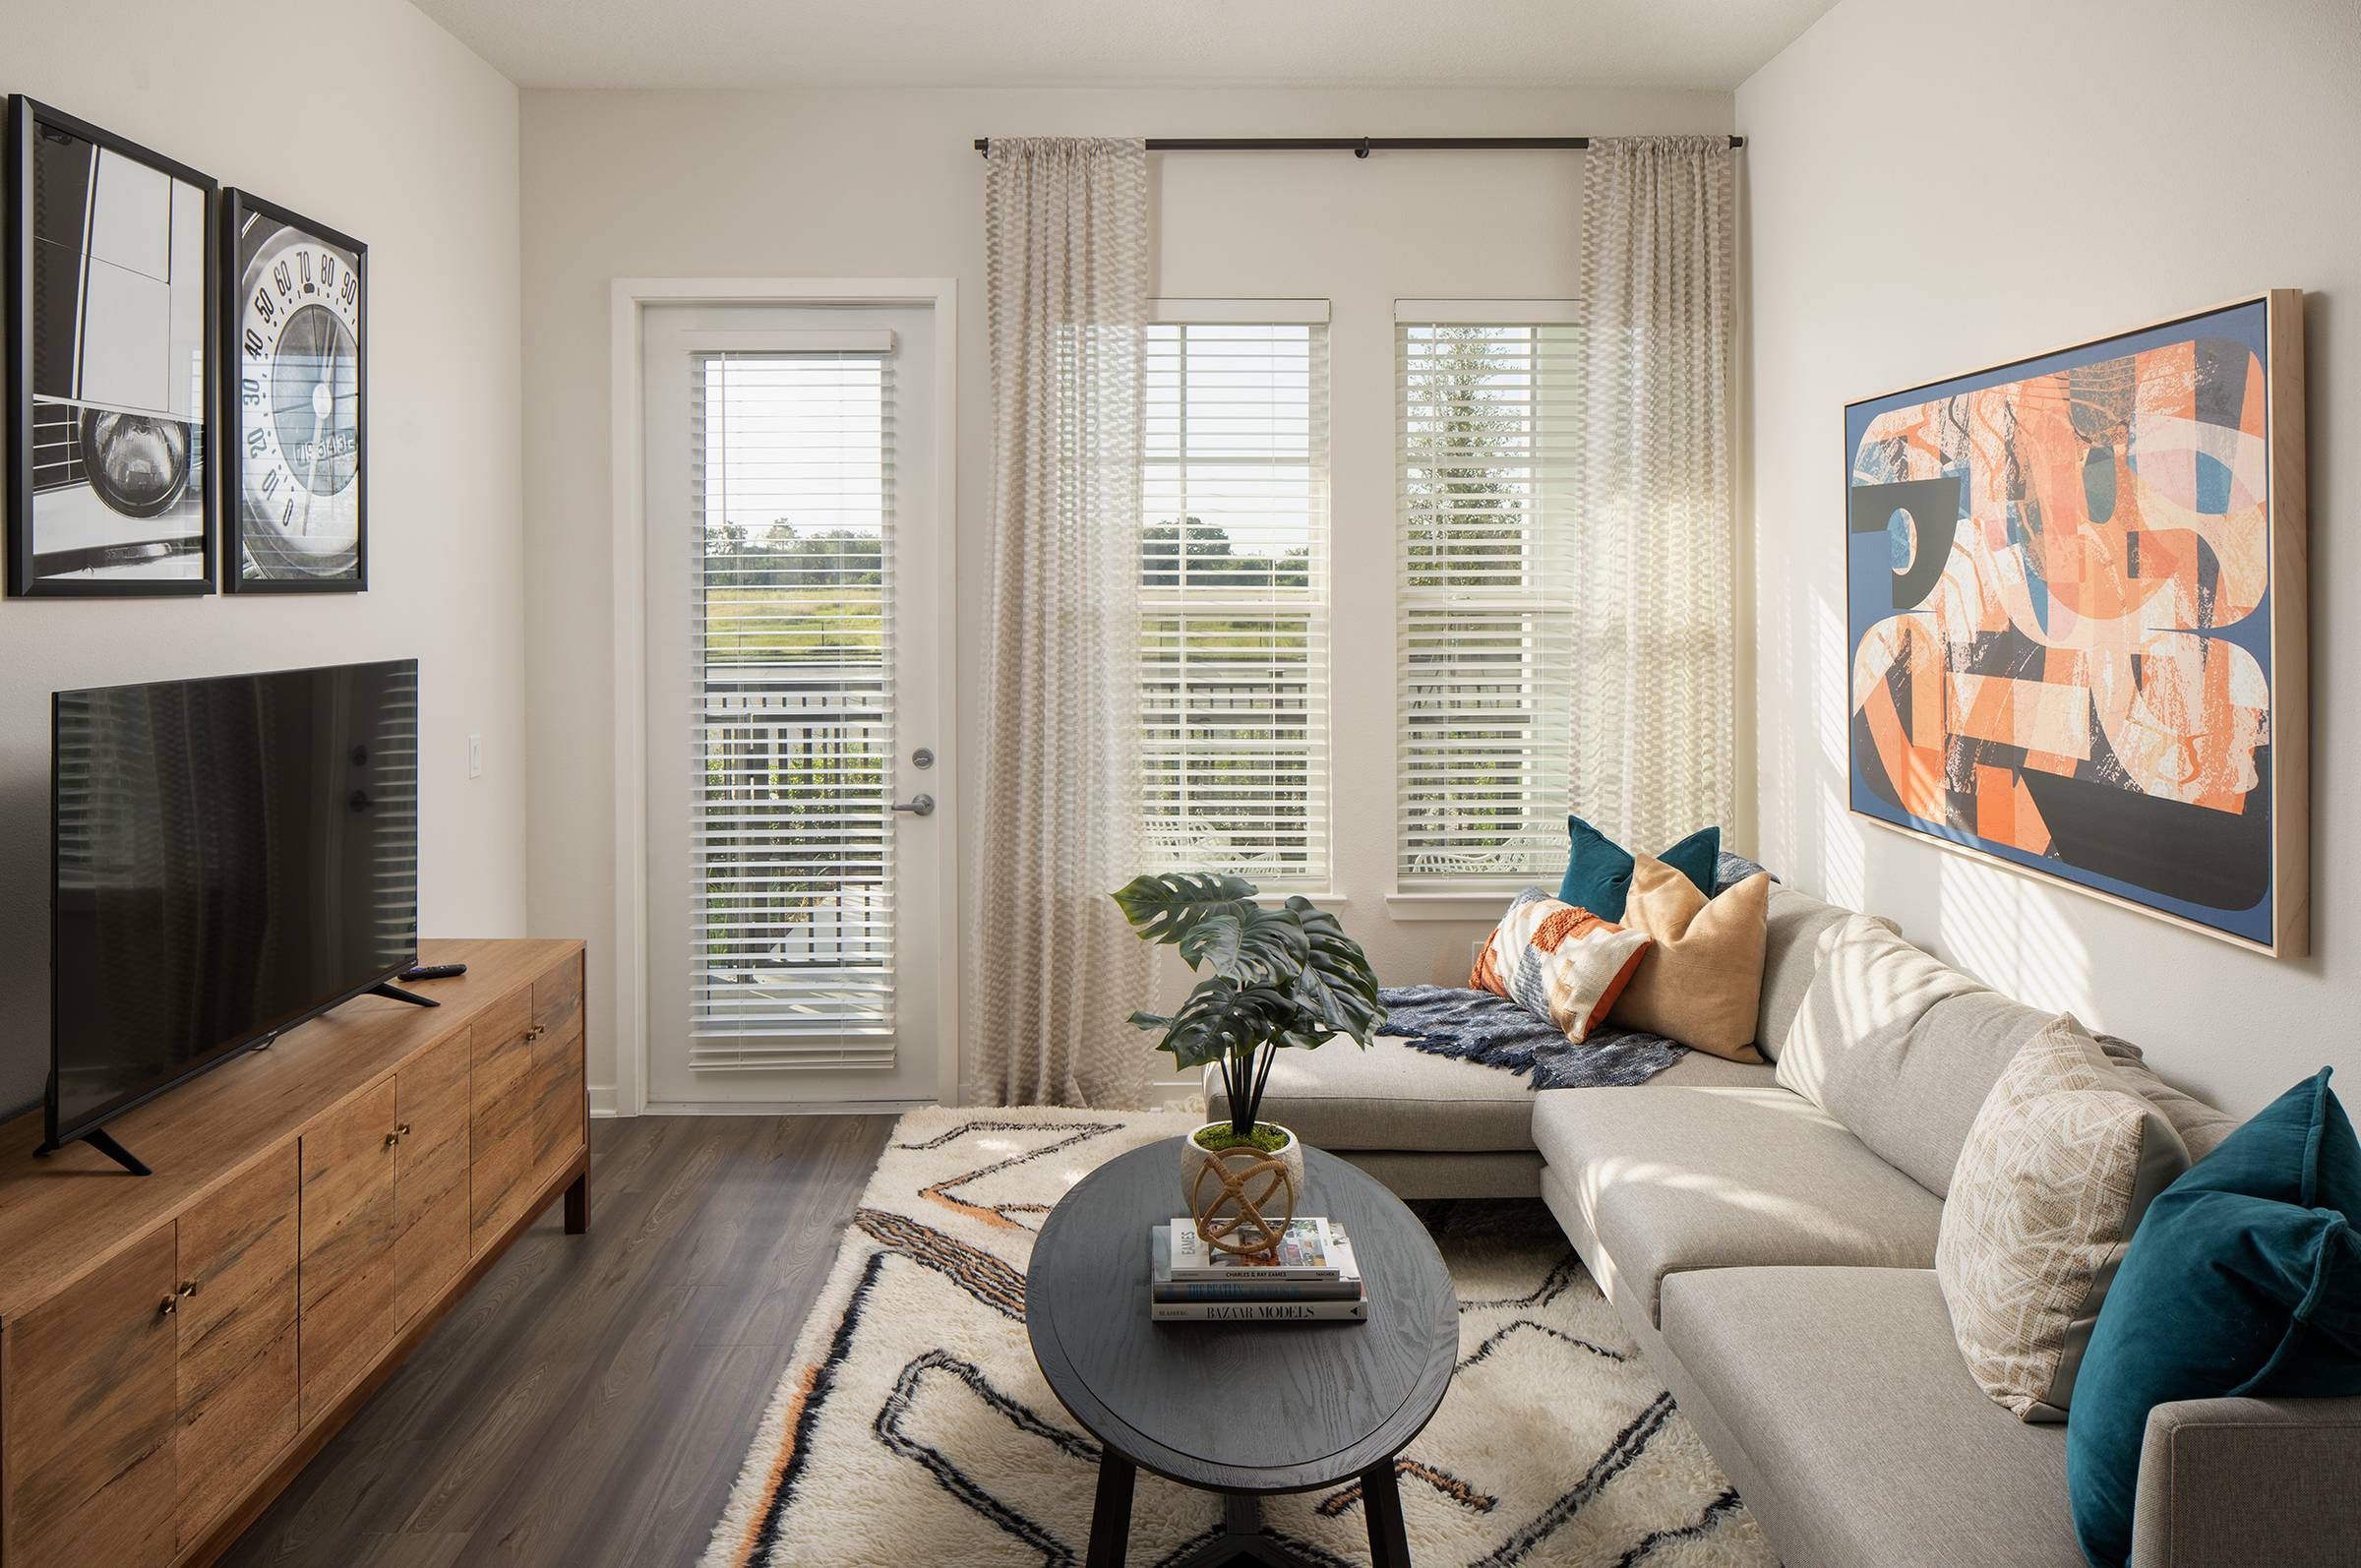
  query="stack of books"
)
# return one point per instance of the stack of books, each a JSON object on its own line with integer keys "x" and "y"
{"x": 1312, "y": 1277}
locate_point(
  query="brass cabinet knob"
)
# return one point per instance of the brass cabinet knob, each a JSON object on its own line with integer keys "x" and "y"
{"x": 404, "y": 1129}
{"x": 186, "y": 1288}
{"x": 536, "y": 1032}
{"x": 170, "y": 1305}
{"x": 393, "y": 1138}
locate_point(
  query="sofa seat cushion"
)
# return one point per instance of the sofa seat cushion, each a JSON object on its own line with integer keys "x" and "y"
{"x": 1669, "y": 1177}
{"x": 1395, "y": 1097}
{"x": 1848, "y": 1392}
{"x": 1390, "y": 1097}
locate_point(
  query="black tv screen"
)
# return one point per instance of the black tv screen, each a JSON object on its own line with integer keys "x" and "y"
{"x": 229, "y": 857}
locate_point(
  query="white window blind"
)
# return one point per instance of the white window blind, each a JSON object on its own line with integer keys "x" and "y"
{"x": 1486, "y": 637}
{"x": 791, "y": 819}
{"x": 1233, "y": 625}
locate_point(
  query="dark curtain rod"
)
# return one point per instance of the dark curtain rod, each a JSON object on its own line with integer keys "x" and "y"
{"x": 1360, "y": 147}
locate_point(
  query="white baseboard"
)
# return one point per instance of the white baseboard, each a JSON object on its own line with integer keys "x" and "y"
{"x": 602, "y": 1101}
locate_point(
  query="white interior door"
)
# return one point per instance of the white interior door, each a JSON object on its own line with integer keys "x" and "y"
{"x": 796, "y": 621}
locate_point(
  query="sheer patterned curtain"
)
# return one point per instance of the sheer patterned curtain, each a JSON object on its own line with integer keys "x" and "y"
{"x": 1654, "y": 685}
{"x": 1053, "y": 971}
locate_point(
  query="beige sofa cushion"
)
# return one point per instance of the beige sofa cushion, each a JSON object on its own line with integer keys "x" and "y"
{"x": 1390, "y": 1097}
{"x": 2060, "y": 1165}
{"x": 1901, "y": 1047}
{"x": 2202, "y": 1127}
{"x": 1668, "y": 1177}
{"x": 1848, "y": 1393}
{"x": 1792, "y": 931}
{"x": 1702, "y": 983}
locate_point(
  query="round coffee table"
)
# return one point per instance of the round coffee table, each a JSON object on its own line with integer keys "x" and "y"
{"x": 1244, "y": 1409}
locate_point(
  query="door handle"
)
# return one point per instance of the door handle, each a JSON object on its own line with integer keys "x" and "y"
{"x": 917, "y": 806}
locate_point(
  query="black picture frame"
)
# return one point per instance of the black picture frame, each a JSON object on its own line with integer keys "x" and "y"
{"x": 241, "y": 574}
{"x": 25, "y": 577}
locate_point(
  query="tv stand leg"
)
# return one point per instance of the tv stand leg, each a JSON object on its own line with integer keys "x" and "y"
{"x": 387, "y": 988}
{"x": 104, "y": 1142}
{"x": 578, "y": 1204}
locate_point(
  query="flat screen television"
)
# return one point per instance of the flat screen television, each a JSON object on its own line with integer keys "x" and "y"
{"x": 229, "y": 857}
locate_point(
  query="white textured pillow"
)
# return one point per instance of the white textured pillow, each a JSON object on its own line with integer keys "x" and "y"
{"x": 2061, "y": 1163}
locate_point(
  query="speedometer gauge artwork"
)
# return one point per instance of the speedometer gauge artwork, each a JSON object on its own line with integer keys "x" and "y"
{"x": 294, "y": 403}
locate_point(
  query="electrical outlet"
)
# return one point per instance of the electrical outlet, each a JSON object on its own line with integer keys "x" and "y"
{"x": 475, "y": 756}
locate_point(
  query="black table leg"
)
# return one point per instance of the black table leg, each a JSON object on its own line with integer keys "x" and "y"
{"x": 1110, "y": 1515}
{"x": 1389, "y": 1542}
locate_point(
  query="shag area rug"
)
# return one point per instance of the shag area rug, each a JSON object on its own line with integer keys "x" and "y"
{"x": 913, "y": 1427}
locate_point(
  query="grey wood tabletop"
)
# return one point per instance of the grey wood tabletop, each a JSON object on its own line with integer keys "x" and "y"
{"x": 1240, "y": 1408}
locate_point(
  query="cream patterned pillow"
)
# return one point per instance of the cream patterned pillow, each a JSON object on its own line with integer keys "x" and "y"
{"x": 2061, "y": 1163}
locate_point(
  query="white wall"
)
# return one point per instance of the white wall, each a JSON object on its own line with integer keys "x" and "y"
{"x": 885, "y": 184}
{"x": 1935, "y": 188}
{"x": 372, "y": 120}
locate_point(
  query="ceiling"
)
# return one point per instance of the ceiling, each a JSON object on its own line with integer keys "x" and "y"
{"x": 1708, "y": 45}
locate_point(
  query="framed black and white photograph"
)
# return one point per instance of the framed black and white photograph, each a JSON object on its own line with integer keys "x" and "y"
{"x": 294, "y": 466}
{"x": 111, "y": 315}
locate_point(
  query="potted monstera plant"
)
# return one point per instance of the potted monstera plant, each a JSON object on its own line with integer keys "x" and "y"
{"x": 1271, "y": 978}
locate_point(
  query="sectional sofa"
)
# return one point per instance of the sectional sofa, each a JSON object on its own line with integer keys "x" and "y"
{"x": 1779, "y": 1270}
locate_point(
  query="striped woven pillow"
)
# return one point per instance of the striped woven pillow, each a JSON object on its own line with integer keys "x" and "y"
{"x": 1559, "y": 962}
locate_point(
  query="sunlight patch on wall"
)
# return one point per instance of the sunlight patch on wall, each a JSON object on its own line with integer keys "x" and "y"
{"x": 2011, "y": 934}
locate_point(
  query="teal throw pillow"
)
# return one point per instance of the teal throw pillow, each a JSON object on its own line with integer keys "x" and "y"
{"x": 2244, "y": 1278}
{"x": 1599, "y": 872}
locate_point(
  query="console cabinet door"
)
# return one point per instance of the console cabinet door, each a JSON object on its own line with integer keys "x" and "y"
{"x": 346, "y": 1274}
{"x": 431, "y": 1181}
{"x": 91, "y": 1389}
{"x": 238, "y": 1336}
{"x": 501, "y": 1126}
{"x": 558, "y": 1069}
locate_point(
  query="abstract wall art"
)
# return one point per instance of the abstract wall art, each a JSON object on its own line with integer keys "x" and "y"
{"x": 2075, "y": 594}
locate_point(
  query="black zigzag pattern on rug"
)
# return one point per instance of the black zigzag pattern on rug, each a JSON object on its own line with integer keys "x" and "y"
{"x": 1561, "y": 1280}
{"x": 1719, "y": 1509}
{"x": 1494, "y": 1340}
{"x": 1628, "y": 1445}
{"x": 986, "y": 1278}
{"x": 1056, "y": 1552}
{"x": 807, "y": 1419}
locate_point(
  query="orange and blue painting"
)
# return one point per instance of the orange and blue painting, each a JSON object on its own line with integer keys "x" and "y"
{"x": 2059, "y": 614}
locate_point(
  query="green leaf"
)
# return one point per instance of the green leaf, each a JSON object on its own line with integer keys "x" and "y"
{"x": 1264, "y": 947}
{"x": 1166, "y": 906}
{"x": 1222, "y": 1016}
{"x": 1287, "y": 977}
{"x": 1336, "y": 984}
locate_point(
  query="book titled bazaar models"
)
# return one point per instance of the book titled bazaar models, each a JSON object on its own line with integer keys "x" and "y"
{"x": 1314, "y": 1248}
{"x": 1356, "y": 1311}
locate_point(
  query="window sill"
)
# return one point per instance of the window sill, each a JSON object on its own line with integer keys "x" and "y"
{"x": 1459, "y": 906}
{"x": 1277, "y": 897}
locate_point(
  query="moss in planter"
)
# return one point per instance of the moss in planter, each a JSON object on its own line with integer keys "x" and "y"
{"x": 1267, "y": 1138}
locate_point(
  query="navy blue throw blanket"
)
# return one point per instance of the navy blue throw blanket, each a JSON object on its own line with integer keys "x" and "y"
{"x": 1496, "y": 1032}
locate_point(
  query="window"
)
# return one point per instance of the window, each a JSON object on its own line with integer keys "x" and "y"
{"x": 1234, "y": 575}
{"x": 1485, "y": 639}
{"x": 791, "y": 824}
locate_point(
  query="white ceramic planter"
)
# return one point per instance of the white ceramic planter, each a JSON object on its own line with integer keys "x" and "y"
{"x": 1195, "y": 1157}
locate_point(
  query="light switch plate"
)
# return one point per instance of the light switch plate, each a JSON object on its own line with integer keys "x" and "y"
{"x": 475, "y": 756}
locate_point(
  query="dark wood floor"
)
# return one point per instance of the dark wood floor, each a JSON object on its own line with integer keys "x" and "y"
{"x": 590, "y": 1401}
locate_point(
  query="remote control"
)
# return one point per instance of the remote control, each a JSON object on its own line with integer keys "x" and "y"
{"x": 434, "y": 971}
